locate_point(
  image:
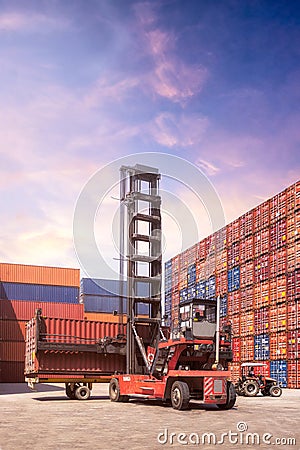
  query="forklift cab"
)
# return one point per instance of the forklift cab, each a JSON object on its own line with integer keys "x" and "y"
{"x": 198, "y": 319}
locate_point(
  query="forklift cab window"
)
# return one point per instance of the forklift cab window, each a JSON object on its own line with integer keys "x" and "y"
{"x": 204, "y": 312}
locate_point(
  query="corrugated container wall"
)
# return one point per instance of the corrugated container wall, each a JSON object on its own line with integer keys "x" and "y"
{"x": 255, "y": 262}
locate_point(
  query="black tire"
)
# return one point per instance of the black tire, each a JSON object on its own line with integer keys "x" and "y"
{"x": 251, "y": 388}
{"x": 180, "y": 395}
{"x": 114, "y": 392}
{"x": 82, "y": 393}
{"x": 275, "y": 391}
{"x": 70, "y": 392}
{"x": 231, "y": 397}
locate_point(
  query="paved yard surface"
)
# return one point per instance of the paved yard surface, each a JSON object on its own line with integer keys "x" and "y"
{"x": 47, "y": 420}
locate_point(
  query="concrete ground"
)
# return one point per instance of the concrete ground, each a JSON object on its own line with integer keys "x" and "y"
{"x": 48, "y": 420}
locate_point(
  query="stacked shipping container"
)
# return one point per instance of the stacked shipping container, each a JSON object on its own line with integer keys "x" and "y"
{"x": 254, "y": 264}
{"x": 23, "y": 289}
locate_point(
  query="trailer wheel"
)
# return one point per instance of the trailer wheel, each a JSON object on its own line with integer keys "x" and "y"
{"x": 180, "y": 395}
{"x": 70, "y": 390}
{"x": 231, "y": 397}
{"x": 275, "y": 391}
{"x": 114, "y": 392}
{"x": 251, "y": 388}
{"x": 82, "y": 393}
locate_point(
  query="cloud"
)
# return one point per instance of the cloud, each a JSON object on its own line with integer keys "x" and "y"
{"x": 32, "y": 22}
{"x": 208, "y": 168}
{"x": 170, "y": 76}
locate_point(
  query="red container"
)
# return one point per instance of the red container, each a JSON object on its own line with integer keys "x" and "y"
{"x": 12, "y": 351}
{"x": 261, "y": 242}
{"x": 262, "y": 215}
{"x": 234, "y": 302}
{"x": 21, "y": 310}
{"x": 291, "y": 199}
{"x": 175, "y": 278}
{"x": 278, "y": 262}
{"x": 246, "y": 249}
{"x": 247, "y": 348}
{"x": 183, "y": 261}
{"x": 210, "y": 245}
{"x": 233, "y": 232}
{"x": 278, "y": 236}
{"x": 278, "y": 208}
{"x": 233, "y": 255}
{"x": 192, "y": 254}
{"x": 261, "y": 268}
{"x": 236, "y": 347}
{"x": 293, "y": 344}
{"x": 201, "y": 250}
{"x": 294, "y": 374}
{"x": 221, "y": 260}
{"x": 261, "y": 320}
{"x": 12, "y": 372}
{"x": 235, "y": 370}
{"x": 247, "y": 323}
{"x": 290, "y": 229}
{"x": 246, "y": 298}
{"x": 291, "y": 258}
{"x": 12, "y": 330}
{"x": 263, "y": 370}
{"x": 278, "y": 289}
{"x": 56, "y": 276}
{"x": 220, "y": 239}
{"x": 246, "y": 274}
{"x": 210, "y": 266}
{"x": 246, "y": 224}
{"x": 293, "y": 315}
{"x": 175, "y": 264}
{"x": 221, "y": 283}
{"x": 200, "y": 274}
{"x": 261, "y": 294}
{"x": 235, "y": 325}
{"x": 278, "y": 345}
{"x": 297, "y": 194}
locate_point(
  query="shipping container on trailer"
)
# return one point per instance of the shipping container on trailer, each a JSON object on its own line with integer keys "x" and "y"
{"x": 23, "y": 273}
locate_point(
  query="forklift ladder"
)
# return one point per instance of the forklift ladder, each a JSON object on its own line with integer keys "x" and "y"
{"x": 139, "y": 193}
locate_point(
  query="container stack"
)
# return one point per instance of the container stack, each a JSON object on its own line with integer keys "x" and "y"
{"x": 254, "y": 265}
{"x": 23, "y": 289}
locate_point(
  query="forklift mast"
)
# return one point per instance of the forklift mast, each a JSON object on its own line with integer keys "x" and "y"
{"x": 141, "y": 264}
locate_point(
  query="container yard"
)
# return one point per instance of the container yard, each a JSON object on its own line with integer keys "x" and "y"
{"x": 254, "y": 265}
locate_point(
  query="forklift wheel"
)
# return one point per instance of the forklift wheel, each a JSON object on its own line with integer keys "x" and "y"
{"x": 114, "y": 392}
{"x": 231, "y": 397}
{"x": 71, "y": 392}
{"x": 180, "y": 395}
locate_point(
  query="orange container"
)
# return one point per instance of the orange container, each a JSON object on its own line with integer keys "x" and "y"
{"x": 278, "y": 289}
{"x": 233, "y": 232}
{"x": 201, "y": 250}
{"x": 247, "y": 348}
{"x": 278, "y": 206}
{"x": 210, "y": 266}
{"x": 246, "y": 224}
{"x": 246, "y": 298}
{"x": 221, "y": 260}
{"x": 261, "y": 294}
{"x": 247, "y": 323}
{"x": 262, "y": 215}
{"x": 278, "y": 345}
{"x": 235, "y": 325}
{"x": 102, "y": 317}
{"x": 246, "y": 249}
{"x": 56, "y": 276}
{"x": 235, "y": 371}
{"x": 261, "y": 242}
{"x": 221, "y": 283}
{"x": 246, "y": 274}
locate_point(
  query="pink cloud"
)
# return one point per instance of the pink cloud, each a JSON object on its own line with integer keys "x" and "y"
{"x": 16, "y": 21}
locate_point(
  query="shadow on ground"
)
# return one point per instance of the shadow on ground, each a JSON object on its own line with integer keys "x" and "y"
{"x": 22, "y": 388}
{"x": 63, "y": 397}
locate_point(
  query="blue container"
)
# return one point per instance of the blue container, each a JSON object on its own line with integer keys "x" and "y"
{"x": 191, "y": 274}
{"x": 233, "y": 277}
{"x": 223, "y": 306}
{"x": 98, "y": 286}
{"x": 191, "y": 292}
{"x": 168, "y": 266}
{"x": 168, "y": 283}
{"x": 201, "y": 290}
{"x": 211, "y": 287}
{"x": 106, "y": 304}
{"x": 278, "y": 370}
{"x": 183, "y": 295}
{"x": 39, "y": 292}
{"x": 262, "y": 347}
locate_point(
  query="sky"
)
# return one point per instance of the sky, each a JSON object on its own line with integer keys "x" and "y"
{"x": 84, "y": 83}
